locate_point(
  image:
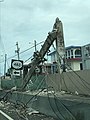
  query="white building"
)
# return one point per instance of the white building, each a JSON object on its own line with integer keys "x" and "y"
{"x": 73, "y": 58}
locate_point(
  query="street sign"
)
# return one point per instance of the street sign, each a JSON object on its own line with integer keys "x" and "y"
{"x": 16, "y": 72}
{"x": 17, "y": 64}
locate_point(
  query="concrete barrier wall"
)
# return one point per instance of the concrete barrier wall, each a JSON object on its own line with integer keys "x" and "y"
{"x": 76, "y": 82}
{"x": 38, "y": 82}
{"x": 50, "y": 105}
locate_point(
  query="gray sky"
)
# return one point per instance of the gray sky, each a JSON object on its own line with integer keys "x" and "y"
{"x": 28, "y": 20}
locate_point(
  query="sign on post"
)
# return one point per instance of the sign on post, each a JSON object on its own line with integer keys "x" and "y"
{"x": 16, "y": 72}
{"x": 17, "y": 64}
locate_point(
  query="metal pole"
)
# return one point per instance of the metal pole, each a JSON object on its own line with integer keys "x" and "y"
{"x": 17, "y": 51}
{"x": 5, "y": 64}
{"x": 35, "y": 45}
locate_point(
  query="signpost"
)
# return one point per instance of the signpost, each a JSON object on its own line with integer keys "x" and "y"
{"x": 16, "y": 72}
{"x": 17, "y": 66}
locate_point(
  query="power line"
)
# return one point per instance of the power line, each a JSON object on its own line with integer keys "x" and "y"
{"x": 31, "y": 47}
{"x": 24, "y": 50}
{"x": 64, "y": 82}
{"x": 54, "y": 111}
{"x": 83, "y": 81}
{"x": 62, "y": 104}
{"x": 78, "y": 88}
{"x": 34, "y": 96}
{"x": 28, "y": 59}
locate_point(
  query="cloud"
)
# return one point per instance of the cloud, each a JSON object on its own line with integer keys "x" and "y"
{"x": 28, "y": 20}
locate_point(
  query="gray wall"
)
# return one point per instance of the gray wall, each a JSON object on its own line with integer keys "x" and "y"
{"x": 74, "y": 82}
{"x": 78, "y": 81}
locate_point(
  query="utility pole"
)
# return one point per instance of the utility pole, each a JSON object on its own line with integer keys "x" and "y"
{"x": 60, "y": 48}
{"x": 60, "y": 45}
{"x": 17, "y": 51}
{"x": 5, "y": 64}
{"x": 35, "y": 45}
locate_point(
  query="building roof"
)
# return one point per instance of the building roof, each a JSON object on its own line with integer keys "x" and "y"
{"x": 69, "y": 47}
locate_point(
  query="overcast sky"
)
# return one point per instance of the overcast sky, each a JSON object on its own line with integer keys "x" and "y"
{"x": 28, "y": 20}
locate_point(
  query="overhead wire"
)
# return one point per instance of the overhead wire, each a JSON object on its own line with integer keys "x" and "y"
{"x": 69, "y": 112}
{"x": 62, "y": 104}
{"x": 40, "y": 85}
{"x": 50, "y": 102}
{"x": 28, "y": 59}
{"x": 54, "y": 111}
{"x": 75, "y": 72}
{"x": 4, "y": 98}
{"x": 66, "y": 108}
{"x": 15, "y": 55}
{"x": 25, "y": 50}
{"x": 18, "y": 105}
{"x": 34, "y": 82}
{"x": 51, "y": 106}
{"x": 62, "y": 77}
{"x": 82, "y": 80}
{"x": 76, "y": 87}
{"x": 20, "y": 108}
{"x": 34, "y": 96}
{"x": 32, "y": 47}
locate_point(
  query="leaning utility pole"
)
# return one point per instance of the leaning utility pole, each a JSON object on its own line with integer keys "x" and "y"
{"x": 60, "y": 45}
{"x": 60, "y": 48}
